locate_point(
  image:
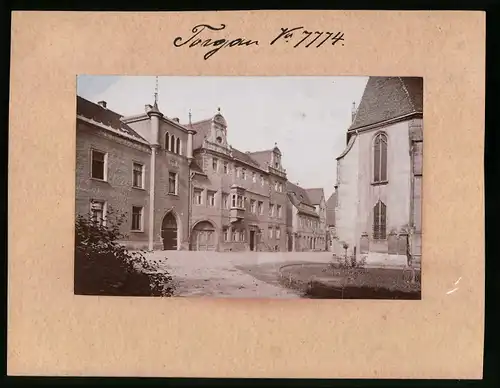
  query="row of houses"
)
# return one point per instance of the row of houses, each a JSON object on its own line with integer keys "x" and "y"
{"x": 183, "y": 187}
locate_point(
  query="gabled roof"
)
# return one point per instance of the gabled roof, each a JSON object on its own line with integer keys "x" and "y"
{"x": 104, "y": 116}
{"x": 202, "y": 129}
{"x": 330, "y": 209}
{"x": 315, "y": 195}
{"x": 244, "y": 157}
{"x": 299, "y": 193}
{"x": 388, "y": 98}
{"x": 262, "y": 158}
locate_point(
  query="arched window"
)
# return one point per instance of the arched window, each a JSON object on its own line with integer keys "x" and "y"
{"x": 172, "y": 143}
{"x": 380, "y": 158}
{"x": 167, "y": 141}
{"x": 178, "y": 146}
{"x": 379, "y": 221}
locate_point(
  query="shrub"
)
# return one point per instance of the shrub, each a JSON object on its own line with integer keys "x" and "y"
{"x": 105, "y": 267}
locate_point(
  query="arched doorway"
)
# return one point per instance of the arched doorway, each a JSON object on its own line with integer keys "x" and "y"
{"x": 169, "y": 232}
{"x": 203, "y": 237}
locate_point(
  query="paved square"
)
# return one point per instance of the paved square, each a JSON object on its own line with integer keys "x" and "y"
{"x": 232, "y": 274}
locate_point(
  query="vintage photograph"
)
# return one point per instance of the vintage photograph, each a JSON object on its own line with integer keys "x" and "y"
{"x": 249, "y": 187}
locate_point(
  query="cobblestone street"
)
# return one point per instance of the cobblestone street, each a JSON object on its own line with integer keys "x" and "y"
{"x": 233, "y": 275}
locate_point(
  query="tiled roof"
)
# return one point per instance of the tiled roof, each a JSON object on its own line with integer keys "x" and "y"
{"x": 299, "y": 192}
{"x": 244, "y": 157}
{"x": 262, "y": 158}
{"x": 330, "y": 209}
{"x": 315, "y": 195}
{"x": 104, "y": 116}
{"x": 387, "y": 98}
{"x": 202, "y": 129}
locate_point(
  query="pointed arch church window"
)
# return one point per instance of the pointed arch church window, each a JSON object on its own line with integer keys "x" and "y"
{"x": 379, "y": 221}
{"x": 380, "y": 158}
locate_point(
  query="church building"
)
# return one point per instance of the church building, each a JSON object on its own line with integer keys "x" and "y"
{"x": 379, "y": 175}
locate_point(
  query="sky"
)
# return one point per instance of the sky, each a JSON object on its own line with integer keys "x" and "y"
{"x": 306, "y": 116}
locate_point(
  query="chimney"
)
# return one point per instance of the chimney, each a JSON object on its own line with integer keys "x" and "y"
{"x": 353, "y": 112}
{"x": 102, "y": 104}
{"x": 176, "y": 119}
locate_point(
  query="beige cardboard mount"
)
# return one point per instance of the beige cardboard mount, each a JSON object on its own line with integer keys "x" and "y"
{"x": 53, "y": 332}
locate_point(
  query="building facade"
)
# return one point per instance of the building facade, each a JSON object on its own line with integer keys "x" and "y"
{"x": 306, "y": 220}
{"x": 379, "y": 174}
{"x": 138, "y": 166}
{"x": 238, "y": 198}
{"x": 183, "y": 187}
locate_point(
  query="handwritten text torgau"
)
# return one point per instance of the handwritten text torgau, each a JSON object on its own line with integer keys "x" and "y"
{"x": 298, "y": 35}
{"x": 218, "y": 44}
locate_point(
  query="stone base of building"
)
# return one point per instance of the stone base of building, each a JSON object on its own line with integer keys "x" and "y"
{"x": 383, "y": 260}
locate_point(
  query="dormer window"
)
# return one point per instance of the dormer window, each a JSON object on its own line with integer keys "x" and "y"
{"x": 219, "y": 140}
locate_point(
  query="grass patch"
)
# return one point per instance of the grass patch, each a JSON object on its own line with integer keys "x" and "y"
{"x": 327, "y": 281}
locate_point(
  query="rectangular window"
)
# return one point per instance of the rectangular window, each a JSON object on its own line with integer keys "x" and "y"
{"x": 271, "y": 210}
{"x": 98, "y": 165}
{"x": 262, "y": 180}
{"x": 240, "y": 201}
{"x": 197, "y": 198}
{"x": 261, "y": 207}
{"x": 225, "y": 201}
{"x": 233, "y": 200}
{"x": 276, "y": 185}
{"x": 236, "y": 236}
{"x": 172, "y": 183}
{"x": 278, "y": 233}
{"x": 138, "y": 175}
{"x": 238, "y": 172}
{"x": 254, "y": 177}
{"x": 270, "y": 230}
{"x": 279, "y": 210}
{"x": 244, "y": 173}
{"x": 227, "y": 235}
{"x": 98, "y": 212}
{"x": 211, "y": 198}
{"x": 137, "y": 218}
{"x": 226, "y": 169}
{"x": 253, "y": 207}
{"x": 280, "y": 187}
{"x": 215, "y": 164}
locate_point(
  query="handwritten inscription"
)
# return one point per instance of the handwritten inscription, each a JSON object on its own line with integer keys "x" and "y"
{"x": 298, "y": 36}
{"x": 217, "y": 44}
{"x": 308, "y": 38}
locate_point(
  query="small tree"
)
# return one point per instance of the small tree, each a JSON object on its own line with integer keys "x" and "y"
{"x": 103, "y": 266}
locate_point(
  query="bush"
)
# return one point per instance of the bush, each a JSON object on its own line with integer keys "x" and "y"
{"x": 105, "y": 267}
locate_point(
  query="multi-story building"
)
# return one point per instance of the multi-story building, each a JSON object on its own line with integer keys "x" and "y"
{"x": 306, "y": 220}
{"x": 238, "y": 197}
{"x": 138, "y": 166}
{"x": 182, "y": 186}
